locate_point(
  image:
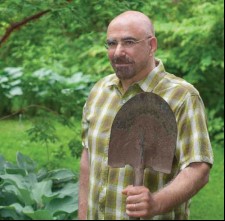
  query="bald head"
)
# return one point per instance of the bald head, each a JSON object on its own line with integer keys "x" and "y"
{"x": 132, "y": 44}
{"x": 136, "y": 19}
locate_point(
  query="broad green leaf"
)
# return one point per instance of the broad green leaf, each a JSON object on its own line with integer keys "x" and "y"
{"x": 28, "y": 209}
{"x": 30, "y": 179}
{"x": 67, "y": 204}
{"x": 14, "y": 72}
{"x": 40, "y": 190}
{"x": 24, "y": 162}
{"x": 22, "y": 187}
{"x": 9, "y": 213}
{"x": 14, "y": 179}
{"x": 46, "y": 199}
{"x": 26, "y": 197}
{"x": 11, "y": 189}
{"x": 61, "y": 175}
{"x": 15, "y": 171}
{"x": 70, "y": 189}
{"x": 12, "y": 211}
{"x": 40, "y": 215}
{"x": 16, "y": 206}
{"x": 3, "y": 79}
{"x": 16, "y": 91}
{"x": 8, "y": 195}
{"x": 42, "y": 174}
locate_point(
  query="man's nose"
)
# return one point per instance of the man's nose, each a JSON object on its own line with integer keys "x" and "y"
{"x": 119, "y": 51}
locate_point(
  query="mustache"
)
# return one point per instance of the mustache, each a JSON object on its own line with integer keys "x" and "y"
{"x": 122, "y": 60}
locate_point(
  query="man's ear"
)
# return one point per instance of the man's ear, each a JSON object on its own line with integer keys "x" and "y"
{"x": 153, "y": 43}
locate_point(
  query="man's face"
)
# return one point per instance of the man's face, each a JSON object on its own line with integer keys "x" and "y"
{"x": 129, "y": 50}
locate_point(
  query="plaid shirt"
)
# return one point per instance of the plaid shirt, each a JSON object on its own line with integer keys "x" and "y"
{"x": 193, "y": 145}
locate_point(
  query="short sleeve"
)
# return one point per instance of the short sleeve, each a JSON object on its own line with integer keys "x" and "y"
{"x": 193, "y": 144}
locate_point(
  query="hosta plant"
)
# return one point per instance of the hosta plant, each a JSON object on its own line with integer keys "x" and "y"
{"x": 29, "y": 195}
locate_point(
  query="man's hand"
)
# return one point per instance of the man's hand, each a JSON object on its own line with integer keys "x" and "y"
{"x": 144, "y": 204}
{"x": 140, "y": 202}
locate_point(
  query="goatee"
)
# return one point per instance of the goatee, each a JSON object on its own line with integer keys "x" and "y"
{"x": 123, "y": 68}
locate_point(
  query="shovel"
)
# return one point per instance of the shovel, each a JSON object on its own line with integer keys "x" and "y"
{"x": 143, "y": 135}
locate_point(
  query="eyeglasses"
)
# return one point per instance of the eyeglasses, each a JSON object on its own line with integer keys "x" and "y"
{"x": 126, "y": 43}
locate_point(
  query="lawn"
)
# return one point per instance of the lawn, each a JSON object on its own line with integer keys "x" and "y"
{"x": 208, "y": 204}
{"x": 14, "y": 137}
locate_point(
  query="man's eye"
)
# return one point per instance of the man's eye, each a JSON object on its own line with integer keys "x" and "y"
{"x": 129, "y": 42}
{"x": 112, "y": 43}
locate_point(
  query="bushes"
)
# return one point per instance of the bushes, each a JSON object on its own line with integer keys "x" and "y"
{"x": 44, "y": 195}
{"x": 63, "y": 95}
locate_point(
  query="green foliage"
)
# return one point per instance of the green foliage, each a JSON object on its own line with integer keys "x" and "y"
{"x": 47, "y": 94}
{"x": 14, "y": 137}
{"x": 216, "y": 129}
{"x": 58, "y": 46}
{"x": 191, "y": 41}
{"x": 29, "y": 195}
{"x": 10, "y": 89}
{"x": 44, "y": 133}
{"x": 190, "y": 35}
{"x": 192, "y": 46}
{"x": 43, "y": 89}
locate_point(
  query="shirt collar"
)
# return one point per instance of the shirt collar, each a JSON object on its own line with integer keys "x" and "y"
{"x": 155, "y": 76}
{"x": 149, "y": 83}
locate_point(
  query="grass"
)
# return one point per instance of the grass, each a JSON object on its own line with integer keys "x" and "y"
{"x": 14, "y": 138}
{"x": 208, "y": 204}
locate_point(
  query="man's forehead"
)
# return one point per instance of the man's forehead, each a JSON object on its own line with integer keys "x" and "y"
{"x": 123, "y": 31}
{"x": 122, "y": 23}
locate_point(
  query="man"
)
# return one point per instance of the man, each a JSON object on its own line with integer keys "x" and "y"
{"x": 106, "y": 193}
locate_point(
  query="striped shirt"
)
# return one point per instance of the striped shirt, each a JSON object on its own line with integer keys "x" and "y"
{"x": 193, "y": 145}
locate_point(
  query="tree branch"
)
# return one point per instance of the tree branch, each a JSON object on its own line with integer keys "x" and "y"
{"x": 18, "y": 25}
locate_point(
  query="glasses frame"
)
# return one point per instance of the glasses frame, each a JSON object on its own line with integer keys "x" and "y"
{"x": 122, "y": 42}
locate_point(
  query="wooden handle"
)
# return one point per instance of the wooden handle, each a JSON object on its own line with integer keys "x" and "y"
{"x": 138, "y": 176}
{"x": 138, "y": 181}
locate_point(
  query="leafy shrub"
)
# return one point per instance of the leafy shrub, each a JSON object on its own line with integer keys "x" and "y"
{"x": 216, "y": 129}
{"x": 44, "y": 195}
{"x": 10, "y": 88}
{"x": 43, "y": 88}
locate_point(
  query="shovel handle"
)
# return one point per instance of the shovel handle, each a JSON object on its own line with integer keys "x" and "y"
{"x": 138, "y": 181}
{"x": 138, "y": 176}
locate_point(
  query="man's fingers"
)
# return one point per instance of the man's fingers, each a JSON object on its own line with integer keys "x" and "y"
{"x": 127, "y": 189}
{"x": 133, "y": 199}
{"x": 135, "y": 210}
{"x": 134, "y": 207}
{"x": 138, "y": 201}
{"x": 133, "y": 190}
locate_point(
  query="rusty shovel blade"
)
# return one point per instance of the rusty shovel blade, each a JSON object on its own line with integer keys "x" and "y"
{"x": 143, "y": 135}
